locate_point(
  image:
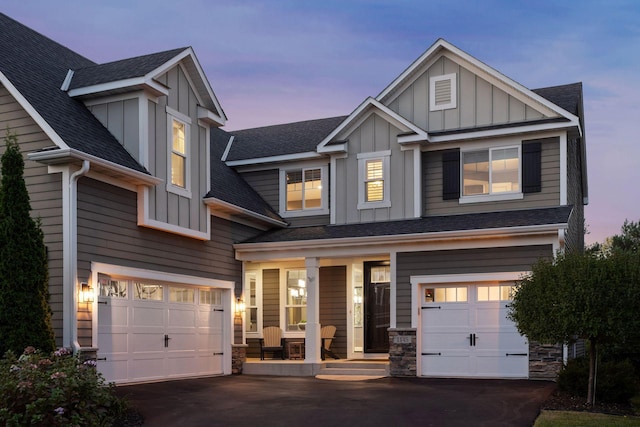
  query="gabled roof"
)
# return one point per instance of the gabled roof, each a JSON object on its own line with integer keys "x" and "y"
{"x": 556, "y": 216}
{"x": 33, "y": 68}
{"x": 280, "y": 140}
{"x": 229, "y": 187}
{"x": 568, "y": 97}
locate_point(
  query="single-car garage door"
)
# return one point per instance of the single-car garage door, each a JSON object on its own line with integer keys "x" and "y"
{"x": 149, "y": 331}
{"x": 465, "y": 332}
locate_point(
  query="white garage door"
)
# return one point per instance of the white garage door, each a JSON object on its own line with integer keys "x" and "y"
{"x": 465, "y": 332}
{"x": 149, "y": 331}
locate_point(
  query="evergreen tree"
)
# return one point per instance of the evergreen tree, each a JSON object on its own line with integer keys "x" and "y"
{"x": 25, "y": 315}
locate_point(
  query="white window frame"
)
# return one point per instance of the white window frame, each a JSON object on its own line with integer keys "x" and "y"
{"x": 491, "y": 197}
{"x": 385, "y": 156}
{"x": 284, "y": 305}
{"x": 324, "y": 180}
{"x": 432, "y": 92}
{"x": 173, "y": 115}
{"x": 258, "y": 306}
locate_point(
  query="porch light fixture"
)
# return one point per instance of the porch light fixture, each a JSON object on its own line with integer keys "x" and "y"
{"x": 86, "y": 293}
{"x": 239, "y": 306}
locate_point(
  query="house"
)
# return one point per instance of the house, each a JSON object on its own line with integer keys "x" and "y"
{"x": 173, "y": 243}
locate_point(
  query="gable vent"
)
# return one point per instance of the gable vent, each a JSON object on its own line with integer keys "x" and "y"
{"x": 442, "y": 92}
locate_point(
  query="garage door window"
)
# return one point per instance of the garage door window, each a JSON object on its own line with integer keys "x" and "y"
{"x": 452, "y": 294}
{"x": 147, "y": 291}
{"x": 210, "y": 297}
{"x": 185, "y": 295}
{"x": 495, "y": 293}
{"x": 112, "y": 288}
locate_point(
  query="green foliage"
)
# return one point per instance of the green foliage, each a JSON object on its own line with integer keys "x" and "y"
{"x": 54, "y": 390}
{"x": 628, "y": 241}
{"x": 25, "y": 315}
{"x": 617, "y": 381}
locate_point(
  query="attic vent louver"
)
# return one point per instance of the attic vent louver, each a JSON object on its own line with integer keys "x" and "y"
{"x": 442, "y": 92}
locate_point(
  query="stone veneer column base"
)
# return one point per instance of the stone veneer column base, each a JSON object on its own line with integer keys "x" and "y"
{"x": 402, "y": 352}
{"x": 545, "y": 361}
{"x": 238, "y": 357}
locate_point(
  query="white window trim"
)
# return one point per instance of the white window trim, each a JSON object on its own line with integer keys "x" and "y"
{"x": 432, "y": 92}
{"x": 479, "y": 198}
{"x": 386, "y": 176}
{"x": 324, "y": 179}
{"x": 258, "y": 277}
{"x": 283, "y": 305}
{"x": 186, "y": 120}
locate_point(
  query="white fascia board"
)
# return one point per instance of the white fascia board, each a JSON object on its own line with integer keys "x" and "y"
{"x": 379, "y": 241}
{"x": 40, "y": 121}
{"x": 360, "y": 113}
{"x": 501, "y": 132}
{"x": 215, "y": 202}
{"x": 227, "y": 148}
{"x": 53, "y": 156}
{"x": 209, "y": 116}
{"x": 153, "y": 86}
{"x": 275, "y": 159}
{"x": 67, "y": 80}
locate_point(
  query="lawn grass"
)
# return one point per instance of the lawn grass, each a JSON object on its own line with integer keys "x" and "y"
{"x": 583, "y": 419}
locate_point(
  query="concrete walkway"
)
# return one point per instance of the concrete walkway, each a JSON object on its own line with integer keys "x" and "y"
{"x": 246, "y": 400}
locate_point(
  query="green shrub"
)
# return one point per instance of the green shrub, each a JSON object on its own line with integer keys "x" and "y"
{"x": 54, "y": 390}
{"x": 615, "y": 381}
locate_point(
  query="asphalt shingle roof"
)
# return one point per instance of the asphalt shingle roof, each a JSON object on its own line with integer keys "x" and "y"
{"x": 122, "y": 69}
{"x": 229, "y": 186}
{"x": 37, "y": 66}
{"x": 278, "y": 140}
{"x": 430, "y": 224}
{"x": 568, "y": 97}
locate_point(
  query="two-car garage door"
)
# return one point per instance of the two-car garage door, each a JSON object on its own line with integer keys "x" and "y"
{"x": 149, "y": 331}
{"x": 465, "y": 332}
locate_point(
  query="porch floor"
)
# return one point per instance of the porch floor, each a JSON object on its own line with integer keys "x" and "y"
{"x": 298, "y": 368}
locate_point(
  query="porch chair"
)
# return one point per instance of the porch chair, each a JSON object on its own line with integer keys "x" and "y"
{"x": 271, "y": 342}
{"x": 326, "y": 335}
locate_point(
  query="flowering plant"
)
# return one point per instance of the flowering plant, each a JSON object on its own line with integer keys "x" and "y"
{"x": 57, "y": 389}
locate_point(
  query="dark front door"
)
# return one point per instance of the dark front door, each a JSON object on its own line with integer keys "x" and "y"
{"x": 377, "y": 290}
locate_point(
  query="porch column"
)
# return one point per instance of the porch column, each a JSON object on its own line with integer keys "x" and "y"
{"x": 312, "y": 332}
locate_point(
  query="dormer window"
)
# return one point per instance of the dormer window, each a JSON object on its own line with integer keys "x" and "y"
{"x": 178, "y": 163}
{"x": 443, "y": 92}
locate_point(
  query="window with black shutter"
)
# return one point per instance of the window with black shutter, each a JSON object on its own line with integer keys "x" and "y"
{"x": 531, "y": 167}
{"x": 451, "y": 174}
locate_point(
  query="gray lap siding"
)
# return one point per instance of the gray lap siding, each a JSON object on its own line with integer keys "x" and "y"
{"x": 459, "y": 261}
{"x": 108, "y": 233}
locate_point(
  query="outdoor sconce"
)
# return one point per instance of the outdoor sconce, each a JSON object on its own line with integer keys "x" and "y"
{"x": 86, "y": 293}
{"x": 239, "y": 306}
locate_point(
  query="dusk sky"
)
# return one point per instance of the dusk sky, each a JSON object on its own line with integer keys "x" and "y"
{"x": 273, "y": 62}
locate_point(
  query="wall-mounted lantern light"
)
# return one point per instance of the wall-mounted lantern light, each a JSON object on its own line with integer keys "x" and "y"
{"x": 86, "y": 293}
{"x": 239, "y": 306}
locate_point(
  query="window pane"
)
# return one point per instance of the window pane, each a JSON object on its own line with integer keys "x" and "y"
{"x": 475, "y": 173}
{"x": 210, "y": 296}
{"x": 147, "y": 291}
{"x": 112, "y": 288}
{"x": 428, "y": 295}
{"x": 295, "y": 316}
{"x": 483, "y": 293}
{"x": 374, "y": 191}
{"x": 494, "y": 293}
{"x": 374, "y": 169}
{"x": 181, "y": 295}
{"x": 506, "y": 293}
{"x": 312, "y": 189}
{"x": 504, "y": 170}
{"x": 252, "y": 320}
{"x": 440, "y": 295}
{"x": 294, "y": 190}
{"x": 177, "y": 170}
{"x": 296, "y": 287}
{"x": 461, "y": 294}
{"x": 178, "y": 137}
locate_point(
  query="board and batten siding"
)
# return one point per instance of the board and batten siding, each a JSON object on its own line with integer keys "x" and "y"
{"x": 45, "y": 193}
{"x": 479, "y": 103}
{"x": 108, "y": 233}
{"x": 165, "y": 206}
{"x": 333, "y": 305}
{"x": 459, "y": 261}
{"x": 549, "y": 196}
{"x": 373, "y": 135}
{"x": 122, "y": 118}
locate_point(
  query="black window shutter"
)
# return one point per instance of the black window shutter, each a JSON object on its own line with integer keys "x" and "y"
{"x": 531, "y": 167}
{"x": 451, "y": 175}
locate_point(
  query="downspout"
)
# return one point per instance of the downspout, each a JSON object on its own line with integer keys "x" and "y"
{"x": 73, "y": 246}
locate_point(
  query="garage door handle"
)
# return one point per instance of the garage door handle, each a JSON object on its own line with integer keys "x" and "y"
{"x": 432, "y": 354}
{"x": 101, "y": 358}
{"x": 431, "y": 308}
{"x": 516, "y": 354}
{"x": 166, "y": 340}
{"x": 472, "y": 340}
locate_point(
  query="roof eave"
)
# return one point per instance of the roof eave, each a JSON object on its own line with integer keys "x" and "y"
{"x": 215, "y": 203}
{"x": 119, "y": 86}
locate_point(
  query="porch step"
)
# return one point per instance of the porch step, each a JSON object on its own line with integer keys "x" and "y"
{"x": 371, "y": 369}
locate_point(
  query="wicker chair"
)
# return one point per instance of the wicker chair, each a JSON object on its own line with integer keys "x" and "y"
{"x": 271, "y": 342}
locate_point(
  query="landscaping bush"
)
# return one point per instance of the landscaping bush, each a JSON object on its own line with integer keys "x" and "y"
{"x": 55, "y": 390}
{"x": 616, "y": 381}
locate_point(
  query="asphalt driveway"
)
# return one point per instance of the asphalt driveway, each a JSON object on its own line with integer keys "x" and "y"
{"x": 245, "y": 400}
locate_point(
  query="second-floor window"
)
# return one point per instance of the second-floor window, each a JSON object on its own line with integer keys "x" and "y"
{"x": 374, "y": 181}
{"x": 178, "y": 155}
{"x": 178, "y": 162}
{"x": 374, "y": 188}
{"x": 304, "y": 189}
{"x": 491, "y": 171}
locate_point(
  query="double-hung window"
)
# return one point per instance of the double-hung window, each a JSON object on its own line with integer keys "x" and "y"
{"x": 373, "y": 186}
{"x": 253, "y": 322}
{"x": 492, "y": 171}
{"x": 178, "y": 136}
{"x": 303, "y": 191}
{"x": 295, "y": 306}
